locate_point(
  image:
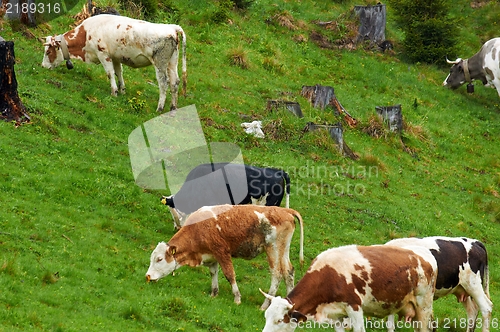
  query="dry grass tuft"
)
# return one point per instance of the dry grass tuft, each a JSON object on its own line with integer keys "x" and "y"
{"x": 239, "y": 57}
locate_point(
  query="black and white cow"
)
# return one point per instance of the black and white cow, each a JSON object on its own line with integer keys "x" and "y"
{"x": 462, "y": 271}
{"x": 226, "y": 183}
{"x": 483, "y": 66}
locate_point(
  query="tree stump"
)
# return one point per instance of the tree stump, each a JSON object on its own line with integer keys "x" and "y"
{"x": 336, "y": 132}
{"x": 292, "y": 106}
{"x": 372, "y": 21}
{"x": 392, "y": 116}
{"x": 11, "y": 107}
{"x": 322, "y": 96}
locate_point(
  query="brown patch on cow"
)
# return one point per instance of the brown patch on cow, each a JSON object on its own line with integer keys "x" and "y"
{"x": 129, "y": 27}
{"x": 494, "y": 53}
{"x": 335, "y": 288}
{"x": 389, "y": 266}
{"x": 100, "y": 48}
{"x": 76, "y": 40}
{"x": 52, "y": 53}
{"x": 118, "y": 26}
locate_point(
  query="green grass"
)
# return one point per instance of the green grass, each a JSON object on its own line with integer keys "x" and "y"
{"x": 76, "y": 232}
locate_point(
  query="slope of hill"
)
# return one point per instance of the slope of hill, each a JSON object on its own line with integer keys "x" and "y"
{"x": 76, "y": 232}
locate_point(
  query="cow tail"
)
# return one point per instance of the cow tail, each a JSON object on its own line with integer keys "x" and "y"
{"x": 184, "y": 65}
{"x": 286, "y": 178}
{"x": 297, "y": 215}
{"x": 486, "y": 274}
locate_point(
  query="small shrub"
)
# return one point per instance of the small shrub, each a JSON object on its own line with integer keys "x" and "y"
{"x": 239, "y": 57}
{"x": 429, "y": 31}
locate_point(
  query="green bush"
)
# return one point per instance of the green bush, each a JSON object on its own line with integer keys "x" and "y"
{"x": 429, "y": 31}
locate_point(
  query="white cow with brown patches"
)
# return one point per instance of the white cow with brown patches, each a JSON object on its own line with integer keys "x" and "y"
{"x": 112, "y": 40}
{"x": 344, "y": 284}
{"x": 214, "y": 234}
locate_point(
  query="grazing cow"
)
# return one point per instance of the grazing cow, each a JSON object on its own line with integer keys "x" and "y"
{"x": 344, "y": 284}
{"x": 214, "y": 234}
{"x": 483, "y": 66}
{"x": 462, "y": 271}
{"x": 226, "y": 183}
{"x": 112, "y": 40}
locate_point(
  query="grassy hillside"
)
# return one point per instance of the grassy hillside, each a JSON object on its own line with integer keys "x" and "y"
{"x": 76, "y": 232}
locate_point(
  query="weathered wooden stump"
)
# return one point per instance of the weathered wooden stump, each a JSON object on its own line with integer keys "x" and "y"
{"x": 336, "y": 132}
{"x": 323, "y": 96}
{"x": 392, "y": 116}
{"x": 292, "y": 106}
{"x": 11, "y": 107}
{"x": 372, "y": 21}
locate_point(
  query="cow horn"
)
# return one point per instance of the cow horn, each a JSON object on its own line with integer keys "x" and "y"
{"x": 270, "y": 297}
{"x": 453, "y": 62}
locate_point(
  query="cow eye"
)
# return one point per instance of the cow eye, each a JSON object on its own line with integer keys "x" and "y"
{"x": 159, "y": 259}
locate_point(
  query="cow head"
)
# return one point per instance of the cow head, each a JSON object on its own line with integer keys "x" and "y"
{"x": 162, "y": 262}
{"x": 280, "y": 316}
{"x": 53, "y": 55}
{"x": 456, "y": 77}
{"x": 178, "y": 216}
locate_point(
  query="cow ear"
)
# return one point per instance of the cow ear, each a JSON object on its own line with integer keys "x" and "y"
{"x": 297, "y": 316}
{"x": 172, "y": 250}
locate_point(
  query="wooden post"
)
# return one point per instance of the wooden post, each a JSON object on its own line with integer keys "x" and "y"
{"x": 372, "y": 21}
{"x": 11, "y": 107}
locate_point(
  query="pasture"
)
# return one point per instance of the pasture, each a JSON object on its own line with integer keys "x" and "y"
{"x": 76, "y": 232}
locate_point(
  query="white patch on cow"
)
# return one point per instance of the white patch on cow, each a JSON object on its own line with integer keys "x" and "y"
{"x": 346, "y": 259}
{"x": 262, "y": 200}
{"x": 218, "y": 227}
{"x": 266, "y": 226}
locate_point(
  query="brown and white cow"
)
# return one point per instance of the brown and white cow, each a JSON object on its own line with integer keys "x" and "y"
{"x": 344, "y": 284}
{"x": 112, "y": 40}
{"x": 462, "y": 271}
{"x": 214, "y": 234}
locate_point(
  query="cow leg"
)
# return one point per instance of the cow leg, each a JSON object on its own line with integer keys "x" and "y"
{"x": 228, "y": 269}
{"x": 276, "y": 269}
{"x": 173, "y": 78}
{"x": 110, "y": 71}
{"x": 117, "y": 66}
{"x": 214, "y": 272}
{"x": 356, "y": 319}
{"x": 162, "y": 78}
{"x": 477, "y": 300}
{"x": 391, "y": 324}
